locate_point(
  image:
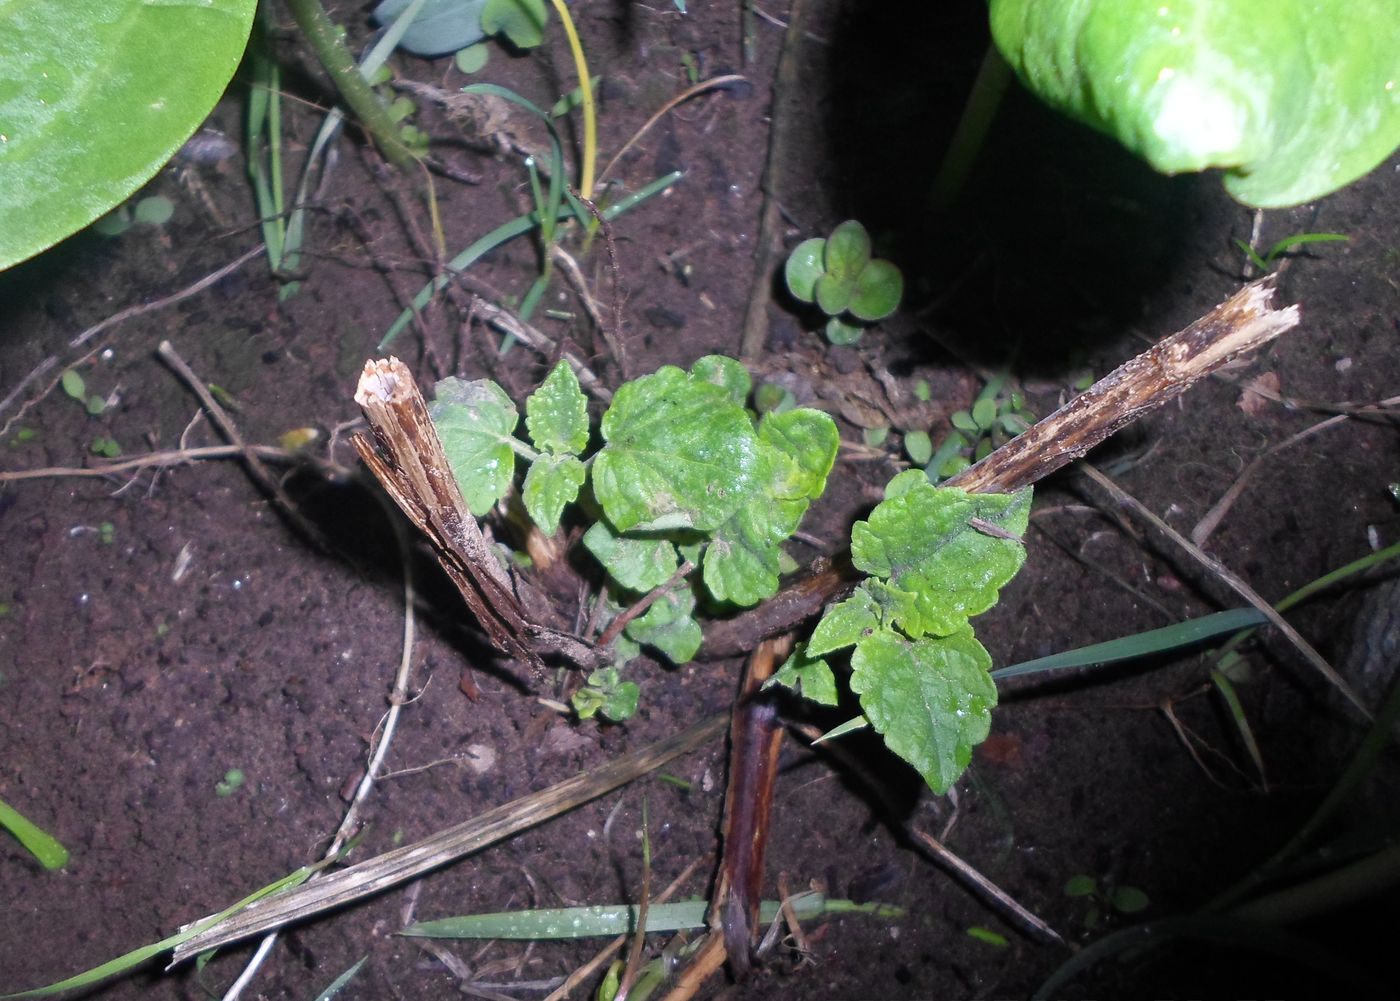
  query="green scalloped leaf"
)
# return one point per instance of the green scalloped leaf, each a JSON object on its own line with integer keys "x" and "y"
{"x": 95, "y": 98}
{"x": 476, "y": 421}
{"x": 920, "y": 541}
{"x": 931, "y": 699}
{"x": 845, "y": 623}
{"x": 556, "y": 414}
{"x": 637, "y": 563}
{"x": 803, "y": 268}
{"x": 809, "y": 439}
{"x": 680, "y": 453}
{"x": 669, "y": 625}
{"x": 742, "y": 561}
{"x": 726, "y": 373}
{"x": 552, "y": 482}
{"x": 807, "y": 676}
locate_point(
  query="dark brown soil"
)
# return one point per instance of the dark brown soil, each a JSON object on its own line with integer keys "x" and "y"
{"x": 128, "y": 687}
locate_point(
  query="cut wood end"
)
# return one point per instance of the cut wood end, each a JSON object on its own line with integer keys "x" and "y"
{"x": 381, "y": 382}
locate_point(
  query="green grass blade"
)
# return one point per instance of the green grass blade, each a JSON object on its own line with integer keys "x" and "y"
{"x": 1140, "y": 645}
{"x": 621, "y": 919}
{"x": 509, "y": 231}
{"x": 1227, "y": 691}
{"x": 136, "y": 957}
{"x": 39, "y": 843}
{"x": 339, "y": 982}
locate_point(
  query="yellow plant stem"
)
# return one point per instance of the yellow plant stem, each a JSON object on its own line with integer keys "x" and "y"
{"x": 585, "y": 86}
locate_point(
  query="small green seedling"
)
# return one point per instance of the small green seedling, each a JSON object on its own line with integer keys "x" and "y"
{"x": 74, "y": 386}
{"x": 1105, "y": 902}
{"x": 607, "y": 695}
{"x": 1265, "y": 263}
{"x": 106, "y": 447}
{"x": 839, "y": 276}
{"x": 991, "y": 421}
{"x": 231, "y": 782}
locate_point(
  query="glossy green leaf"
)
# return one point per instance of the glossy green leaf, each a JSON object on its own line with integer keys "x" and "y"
{"x": 95, "y": 97}
{"x": 742, "y": 561}
{"x": 931, "y": 699}
{"x": 476, "y": 422}
{"x": 847, "y": 252}
{"x": 833, "y": 293}
{"x": 842, "y": 333}
{"x": 669, "y": 625}
{"x": 845, "y": 623}
{"x": 920, "y": 539}
{"x": 552, "y": 482}
{"x": 556, "y": 414}
{"x": 441, "y": 27}
{"x": 804, "y": 266}
{"x": 1293, "y": 98}
{"x": 809, "y": 677}
{"x": 725, "y": 373}
{"x": 919, "y": 447}
{"x": 46, "y": 849}
{"x": 877, "y": 291}
{"x": 637, "y": 563}
{"x": 810, "y": 440}
{"x": 522, "y": 21}
{"x": 680, "y": 453}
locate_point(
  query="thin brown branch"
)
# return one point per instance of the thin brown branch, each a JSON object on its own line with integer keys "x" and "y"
{"x": 1002, "y": 901}
{"x": 402, "y": 864}
{"x": 650, "y": 598}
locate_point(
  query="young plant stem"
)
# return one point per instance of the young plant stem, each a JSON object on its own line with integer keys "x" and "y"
{"x": 993, "y": 77}
{"x": 328, "y": 42}
{"x": 590, "y": 114}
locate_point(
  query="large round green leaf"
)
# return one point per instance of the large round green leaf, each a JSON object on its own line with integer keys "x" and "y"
{"x": 1292, "y": 98}
{"x": 95, "y": 97}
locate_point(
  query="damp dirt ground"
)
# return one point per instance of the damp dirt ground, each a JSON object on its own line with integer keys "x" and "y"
{"x": 162, "y": 627}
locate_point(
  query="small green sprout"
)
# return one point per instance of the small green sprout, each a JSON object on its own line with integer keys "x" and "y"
{"x": 106, "y": 447}
{"x": 992, "y": 420}
{"x": 848, "y": 285}
{"x": 1105, "y": 902}
{"x": 1265, "y": 262}
{"x": 473, "y": 58}
{"x": 607, "y": 695}
{"x": 42, "y": 845}
{"x": 74, "y": 386}
{"x": 232, "y": 781}
{"x": 987, "y": 936}
{"x": 106, "y": 533}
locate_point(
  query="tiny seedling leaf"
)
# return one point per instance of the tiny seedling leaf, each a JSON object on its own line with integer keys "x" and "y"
{"x": 1081, "y": 885}
{"x": 1129, "y": 900}
{"x": 680, "y": 453}
{"x": 931, "y": 699}
{"x": 919, "y": 446}
{"x": 556, "y": 414}
{"x": 473, "y": 58}
{"x": 809, "y": 677}
{"x": 669, "y": 625}
{"x": 804, "y": 267}
{"x": 73, "y": 384}
{"x": 847, "y": 253}
{"x": 843, "y": 334}
{"x": 638, "y": 563}
{"x": 46, "y": 849}
{"x": 552, "y": 482}
{"x": 920, "y": 539}
{"x": 476, "y": 421}
{"x": 877, "y": 291}
{"x": 834, "y": 293}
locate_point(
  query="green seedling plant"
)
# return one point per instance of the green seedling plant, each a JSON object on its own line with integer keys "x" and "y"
{"x": 608, "y": 696}
{"x": 1291, "y": 104}
{"x": 686, "y": 479}
{"x": 993, "y": 419}
{"x": 1265, "y": 262}
{"x": 1105, "y": 901}
{"x": 838, "y": 274}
